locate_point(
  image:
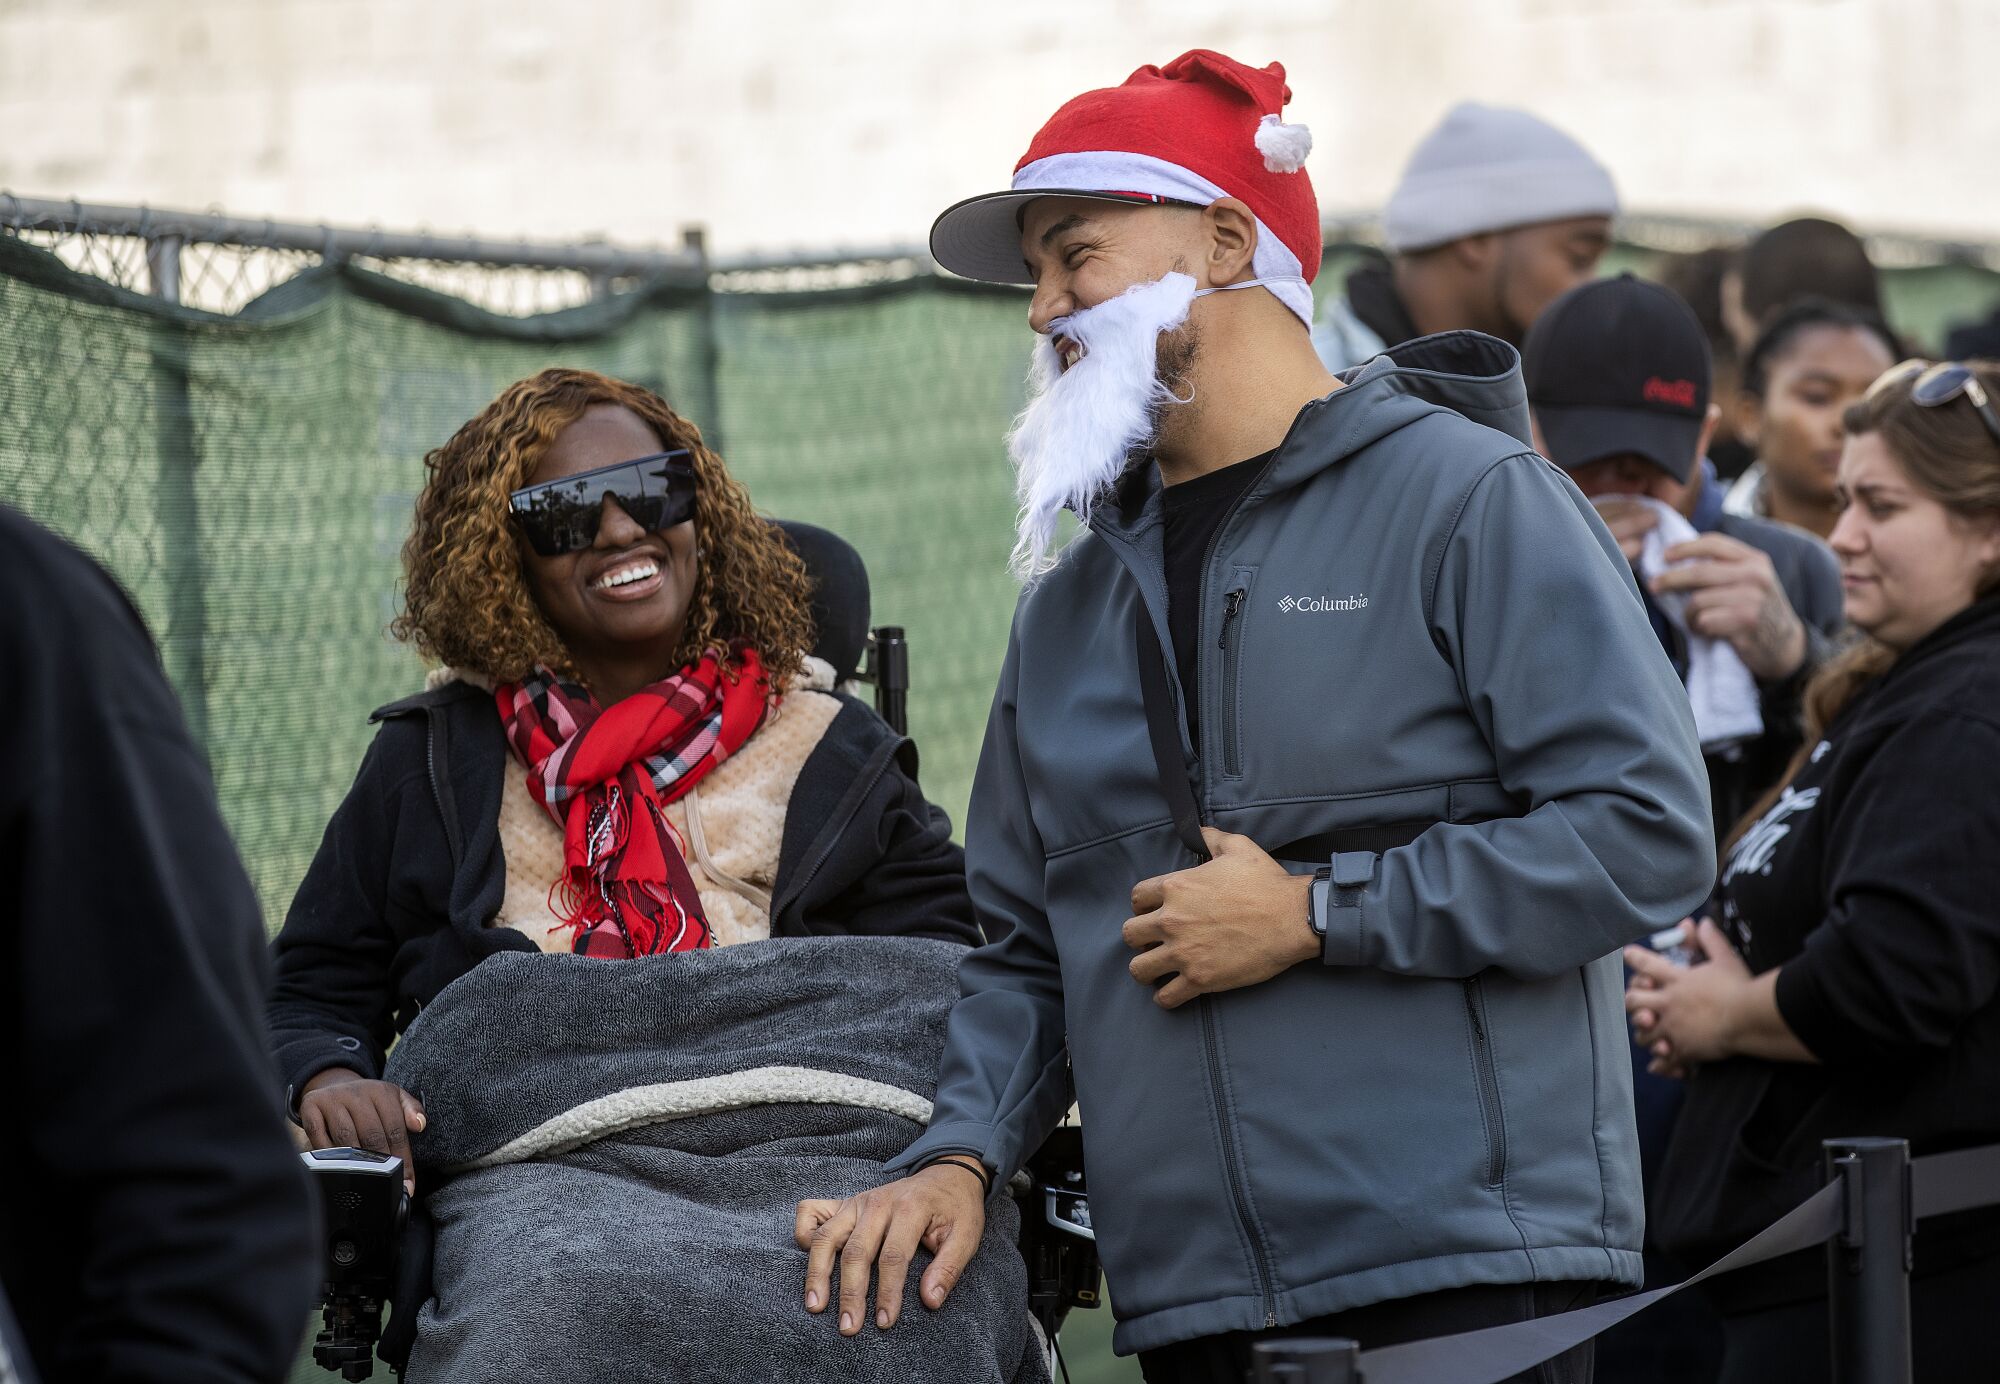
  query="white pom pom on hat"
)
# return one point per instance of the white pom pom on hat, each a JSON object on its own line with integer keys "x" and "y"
{"x": 1283, "y": 146}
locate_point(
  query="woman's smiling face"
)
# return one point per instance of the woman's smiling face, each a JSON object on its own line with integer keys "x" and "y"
{"x": 627, "y": 595}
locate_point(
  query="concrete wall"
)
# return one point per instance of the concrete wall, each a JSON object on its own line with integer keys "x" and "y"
{"x": 814, "y": 122}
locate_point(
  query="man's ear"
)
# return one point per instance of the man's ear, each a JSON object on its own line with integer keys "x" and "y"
{"x": 1708, "y": 426}
{"x": 1231, "y": 229}
{"x": 1476, "y": 253}
{"x": 1746, "y": 412}
{"x": 1736, "y": 319}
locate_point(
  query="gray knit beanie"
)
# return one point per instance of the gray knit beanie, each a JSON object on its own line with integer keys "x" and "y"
{"x": 1485, "y": 168}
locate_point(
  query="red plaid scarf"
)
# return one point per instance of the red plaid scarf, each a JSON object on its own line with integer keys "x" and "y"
{"x": 605, "y": 774}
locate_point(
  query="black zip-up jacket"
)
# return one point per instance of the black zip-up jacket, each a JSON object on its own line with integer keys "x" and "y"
{"x": 1873, "y": 883}
{"x": 397, "y": 903}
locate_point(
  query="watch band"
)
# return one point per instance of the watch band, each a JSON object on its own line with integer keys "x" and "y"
{"x": 1317, "y": 901}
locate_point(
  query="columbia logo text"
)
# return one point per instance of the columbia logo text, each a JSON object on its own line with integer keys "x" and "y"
{"x": 1317, "y": 604}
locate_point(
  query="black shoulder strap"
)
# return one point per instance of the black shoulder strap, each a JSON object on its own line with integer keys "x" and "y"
{"x": 1164, "y": 732}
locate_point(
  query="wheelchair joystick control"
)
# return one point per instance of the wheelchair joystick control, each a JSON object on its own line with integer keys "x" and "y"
{"x": 1057, "y": 1238}
{"x": 363, "y": 1207}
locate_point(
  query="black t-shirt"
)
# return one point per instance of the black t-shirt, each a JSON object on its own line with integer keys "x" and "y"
{"x": 1194, "y": 511}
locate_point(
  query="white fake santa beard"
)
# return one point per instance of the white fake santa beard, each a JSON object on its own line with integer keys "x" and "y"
{"x": 1081, "y": 425}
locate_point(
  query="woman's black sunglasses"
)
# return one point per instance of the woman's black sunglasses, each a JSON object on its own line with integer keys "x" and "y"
{"x": 1939, "y": 384}
{"x": 561, "y": 516}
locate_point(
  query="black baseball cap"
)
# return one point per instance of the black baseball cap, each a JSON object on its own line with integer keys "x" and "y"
{"x": 1619, "y": 367}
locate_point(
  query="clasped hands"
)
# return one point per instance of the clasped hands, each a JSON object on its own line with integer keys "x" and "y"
{"x": 1686, "y": 1015}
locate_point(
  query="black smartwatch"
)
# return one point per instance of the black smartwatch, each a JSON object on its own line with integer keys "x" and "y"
{"x": 1317, "y": 899}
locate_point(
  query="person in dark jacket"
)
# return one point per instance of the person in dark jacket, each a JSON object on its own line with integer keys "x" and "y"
{"x": 1496, "y": 215}
{"x": 1618, "y": 378}
{"x": 1618, "y": 374}
{"x": 155, "y": 1222}
{"x": 630, "y": 751}
{"x": 1326, "y": 774}
{"x": 1852, "y": 984}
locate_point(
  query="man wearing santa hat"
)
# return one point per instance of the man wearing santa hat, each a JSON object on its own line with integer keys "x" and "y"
{"x": 1329, "y": 768}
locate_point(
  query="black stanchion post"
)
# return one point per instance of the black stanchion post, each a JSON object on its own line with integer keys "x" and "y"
{"x": 1868, "y": 1263}
{"x": 1306, "y": 1360}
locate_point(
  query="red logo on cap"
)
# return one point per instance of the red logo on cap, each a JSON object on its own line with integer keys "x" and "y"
{"x": 1679, "y": 393}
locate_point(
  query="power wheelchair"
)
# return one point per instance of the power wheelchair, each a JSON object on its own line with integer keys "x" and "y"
{"x": 377, "y": 1245}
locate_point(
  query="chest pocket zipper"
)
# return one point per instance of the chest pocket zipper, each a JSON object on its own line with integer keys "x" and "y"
{"x": 1232, "y": 687}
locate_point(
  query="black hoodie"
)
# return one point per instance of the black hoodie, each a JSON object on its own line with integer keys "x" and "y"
{"x": 397, "y": 903}
{"x": 1874, "y": 882}
{"x": 155, "y": 1223}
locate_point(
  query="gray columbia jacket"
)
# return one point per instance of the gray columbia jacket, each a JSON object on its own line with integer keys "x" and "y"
{"x": 1409, "y": 619}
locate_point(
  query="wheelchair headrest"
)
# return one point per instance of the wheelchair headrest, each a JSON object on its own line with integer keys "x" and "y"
{"x": 839, "y": 594}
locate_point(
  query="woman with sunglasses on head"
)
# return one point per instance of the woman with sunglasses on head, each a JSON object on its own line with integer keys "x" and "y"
{"x": 629, "y": 753}
{"x": 1852, "y": 986}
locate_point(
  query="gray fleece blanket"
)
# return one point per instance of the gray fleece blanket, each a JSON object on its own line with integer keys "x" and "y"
{"x": 624, "y": 1144}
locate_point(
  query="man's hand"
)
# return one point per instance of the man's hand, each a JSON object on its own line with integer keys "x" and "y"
{"x": 941, "y": 1208}
{"x": 1629, "y": 522}
{"x": 1733, "y": 594}
{"x": 1235, "y": 921}
{"x": 341, "y": 1107}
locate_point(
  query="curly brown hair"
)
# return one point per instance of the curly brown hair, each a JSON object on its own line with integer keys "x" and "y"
{"x": 466, "y": 601}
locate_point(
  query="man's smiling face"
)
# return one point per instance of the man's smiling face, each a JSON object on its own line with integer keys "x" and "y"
{"x": 1082, "y": 252}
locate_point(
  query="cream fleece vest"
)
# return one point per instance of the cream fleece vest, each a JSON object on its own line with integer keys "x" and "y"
{"x": 732, "y": 824}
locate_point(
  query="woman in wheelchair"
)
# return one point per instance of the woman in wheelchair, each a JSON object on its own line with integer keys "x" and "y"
{"x": 628, "y": 711}
{"x": 630, "y": 753}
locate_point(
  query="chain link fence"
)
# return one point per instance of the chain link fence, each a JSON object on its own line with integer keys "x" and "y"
{"x": 245, "y": 459}
{"x": 231, "y": 415}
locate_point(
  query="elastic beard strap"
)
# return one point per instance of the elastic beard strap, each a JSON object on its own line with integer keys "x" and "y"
{"x": 1266, "y": 282}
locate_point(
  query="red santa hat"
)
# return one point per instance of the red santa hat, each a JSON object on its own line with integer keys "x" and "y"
{"x": 1199, "y": 129}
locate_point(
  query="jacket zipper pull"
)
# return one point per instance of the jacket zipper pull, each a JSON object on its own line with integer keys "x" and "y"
{"x": 1472, "y": 1008}
{"x": 1231, "y": 604}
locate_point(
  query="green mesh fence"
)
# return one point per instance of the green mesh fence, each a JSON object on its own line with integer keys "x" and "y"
{"x": 249, "y": 479}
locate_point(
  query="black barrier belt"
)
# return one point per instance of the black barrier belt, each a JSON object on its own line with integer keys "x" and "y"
{"x": 1948, "y": 1182}
{"x": 1941, "y": 1183}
